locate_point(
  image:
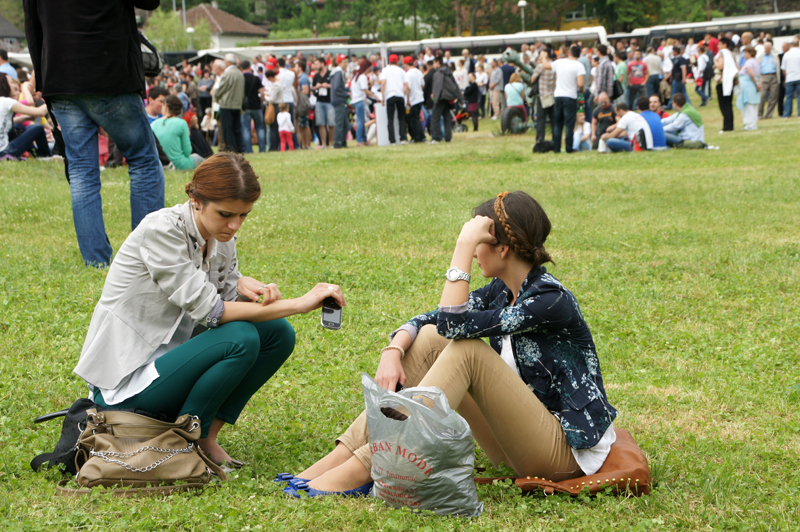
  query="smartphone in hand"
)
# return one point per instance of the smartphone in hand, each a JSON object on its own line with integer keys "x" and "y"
{"x": 331, "y": 314}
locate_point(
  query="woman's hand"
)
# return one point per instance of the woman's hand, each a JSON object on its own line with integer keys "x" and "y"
{"x": 313, "y": 299}
{"x": 253, "y": 289}
{"x": 477, "y": 231}
{"x": 390, "y": 370}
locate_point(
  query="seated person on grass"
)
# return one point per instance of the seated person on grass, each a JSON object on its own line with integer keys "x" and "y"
{"x": 533, "y": 396}
{"x": 652, "y": 119}
{"x": 655, "y": 106}
{"x": 33, "y": 139}
{"x": 178, "y": 329}
{"x": 172, "y": 133}
{"x": 686, "y": 124}
{"x": 603, "y": 116}
{"x": 621, "y": 136}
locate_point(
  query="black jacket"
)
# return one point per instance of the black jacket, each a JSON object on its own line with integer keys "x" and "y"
{"x": 428, "y": 88}
{"x": 472, "y": 93}
{"x": 81, "y": 47}
{"x": 445, "y": 86}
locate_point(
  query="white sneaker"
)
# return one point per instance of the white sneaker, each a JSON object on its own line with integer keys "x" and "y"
{"x": 434, "y": 142}
{"x": 494, "y": 118}
{"x": 403, "y": 142}
{"x": 721, "y": 132}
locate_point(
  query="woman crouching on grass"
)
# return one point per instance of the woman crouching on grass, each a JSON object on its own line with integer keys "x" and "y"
{"x": 534, "y": 399}
{"x": 177, "y": 274}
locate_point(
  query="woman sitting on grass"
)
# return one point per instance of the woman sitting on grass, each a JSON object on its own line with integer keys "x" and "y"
{"x": 177, "y": 275}
{"x": 34, "y": 139}
{"x": 172, "y": 132}
{"x": 534, "y": 399}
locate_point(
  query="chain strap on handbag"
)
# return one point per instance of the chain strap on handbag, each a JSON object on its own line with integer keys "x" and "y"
{"x": 141, "y": 455}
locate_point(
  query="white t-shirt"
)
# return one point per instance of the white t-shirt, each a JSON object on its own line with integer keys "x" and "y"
{"x": 482, "y": 79}
{"x": 287, "y": 77}
{"x": 6, "y": 120}
{"x": 395, "y": 77}
{"x": 416, "y": 81}
{"x": 791, "y": 64}
{"x": 357, "y": 88}
{"x": 632, "y": 123}
{"x": 567, "y": 72}
{"x": 285, "y": 122}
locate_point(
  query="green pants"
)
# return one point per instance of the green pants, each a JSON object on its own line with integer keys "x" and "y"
{"x": 215, "y": 373}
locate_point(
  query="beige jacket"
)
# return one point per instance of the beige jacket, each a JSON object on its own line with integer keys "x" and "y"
{"x": 157, "y": 275}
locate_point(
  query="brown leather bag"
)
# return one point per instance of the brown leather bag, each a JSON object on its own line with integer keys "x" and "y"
{"x": 625, "y": 470}
{"x": 269, "y": 114}
{"x": 145, "y": 455}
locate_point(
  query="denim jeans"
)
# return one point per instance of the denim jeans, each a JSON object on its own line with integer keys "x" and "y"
{"x": 257, "y": 116}
{"x": 361, "y": 133}
{"x": 634, "y": 93}
{"x": 792, "y": 91}
{"x": 672, "y": 139}
{"x": 566, "y": 113}
{"x": 125, "y": 120}
{"x": 342, "y": 126}
{"x": 653, "y": 82}
{"x": 34, "y": 135}
{"x": 618, "y": 145}
{"x": 702, "y": 91}
{"x": 678, "y": 86}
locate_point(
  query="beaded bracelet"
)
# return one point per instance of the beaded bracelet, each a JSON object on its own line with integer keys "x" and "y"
{"x": 402, "y": 351}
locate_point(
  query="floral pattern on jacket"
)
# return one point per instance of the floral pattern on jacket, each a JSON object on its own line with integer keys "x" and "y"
{"x": 552, "y": 346}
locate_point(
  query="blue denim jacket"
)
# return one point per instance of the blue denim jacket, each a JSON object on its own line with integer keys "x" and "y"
{"x": 552, "y": 346}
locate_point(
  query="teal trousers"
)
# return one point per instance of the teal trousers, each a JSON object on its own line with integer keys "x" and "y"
{"x": 215, "y": 373}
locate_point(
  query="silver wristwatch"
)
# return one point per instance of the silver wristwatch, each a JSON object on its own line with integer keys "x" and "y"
{"x": 454, "y": 274}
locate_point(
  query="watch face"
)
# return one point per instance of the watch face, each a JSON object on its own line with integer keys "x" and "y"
{"x": 452, "y": 274}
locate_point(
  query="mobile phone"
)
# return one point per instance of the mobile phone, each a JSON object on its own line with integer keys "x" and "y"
{"x": 331, "y": 314}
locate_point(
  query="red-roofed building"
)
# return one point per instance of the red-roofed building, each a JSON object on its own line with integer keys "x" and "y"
{"x": 226, "y": 30}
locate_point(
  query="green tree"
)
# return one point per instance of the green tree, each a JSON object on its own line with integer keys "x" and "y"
{"x": 165, "y": 30}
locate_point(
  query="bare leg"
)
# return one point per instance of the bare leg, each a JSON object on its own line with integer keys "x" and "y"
{"x": 330, "y": 136}
{"x": 323, "y": 136}
{"x": 210, "y": 446}
{"x": 334, "y": 459}
{"x": 350, "y": 475}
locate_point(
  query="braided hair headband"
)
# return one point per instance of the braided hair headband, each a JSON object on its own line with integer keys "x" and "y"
{"x": 511, "y": 237}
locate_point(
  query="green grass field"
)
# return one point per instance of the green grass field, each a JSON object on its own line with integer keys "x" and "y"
{"x": 686, "y": 265}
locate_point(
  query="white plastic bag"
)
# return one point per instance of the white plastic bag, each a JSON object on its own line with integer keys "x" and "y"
{"x": 425, "y": 462}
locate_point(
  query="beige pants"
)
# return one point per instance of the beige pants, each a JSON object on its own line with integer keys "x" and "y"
{"x": 498, "y": 103}
{"x": 509, "y": 423}
{"x": 769, "y": 84}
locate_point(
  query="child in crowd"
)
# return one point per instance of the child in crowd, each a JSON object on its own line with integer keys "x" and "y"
{"x": 285, "y": 127}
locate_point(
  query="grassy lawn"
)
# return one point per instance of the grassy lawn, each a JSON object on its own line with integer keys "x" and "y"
{"x": 686, "y": 265}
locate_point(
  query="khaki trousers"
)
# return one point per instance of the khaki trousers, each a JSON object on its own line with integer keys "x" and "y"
{"x": 769, "y": 83}
{"x": 498, "y": 103}
{"x": 508, "y": 421}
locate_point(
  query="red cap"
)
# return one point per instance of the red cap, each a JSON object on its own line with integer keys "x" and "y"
{"x": 272, "y": 64}
{"x": 393, "y": 58}
{"x": 408, "y": 60}
{"x": 340, "y": 57}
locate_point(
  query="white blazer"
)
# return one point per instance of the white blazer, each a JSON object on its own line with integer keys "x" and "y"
{"x": 157, "y": 275}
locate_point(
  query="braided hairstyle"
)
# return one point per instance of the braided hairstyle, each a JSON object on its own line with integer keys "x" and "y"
{"x": 520, "y": 223}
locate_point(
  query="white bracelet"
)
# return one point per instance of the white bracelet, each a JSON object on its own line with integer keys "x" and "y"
{"x": 402, "y": 351}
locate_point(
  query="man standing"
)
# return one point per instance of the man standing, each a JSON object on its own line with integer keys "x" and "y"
{"x": 605, "y": 74}
{"x": 415, "y": 83}
{"x": 5, "y": 66}
{"x": 637, "y": 76}
{"x": 569, "y": 82}
{"x": 303, "y": 92}
{"x": 705, "y": 72}
{"x": 339, "y": 95}
{"x": 791, "y": 72}
{"x": 88, "y": 65}
{"x": 547, "y": 86}
{"x": 392, "y": 82}
{"x": 230, "y": 96}
{"x": 770, "y": 80}
{"x": 253, "y": 95}
{"x": 653, "y": 63}
{"x": 445, "y": 90}
{"x": 747, "y": 40}
{"x": 496, "y": 85}
{"x": 324, "y": 115}
{"x": 680, "y": 67}
{"x": 469, "y": 62}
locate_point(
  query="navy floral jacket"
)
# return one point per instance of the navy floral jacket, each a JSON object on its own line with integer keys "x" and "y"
{"x": 552, "y": 346}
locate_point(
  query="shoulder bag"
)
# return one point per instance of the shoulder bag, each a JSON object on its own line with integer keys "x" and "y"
{"x": 140, "y": 455}
{"x": 269, "y": 114}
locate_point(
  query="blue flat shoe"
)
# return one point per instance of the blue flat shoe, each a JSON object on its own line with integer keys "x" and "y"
{"x": 288, "y": 477}
{"x": 294, "y": 489}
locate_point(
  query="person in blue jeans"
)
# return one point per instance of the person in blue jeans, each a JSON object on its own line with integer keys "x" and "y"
{"x": 252, "y": 111}
{"x": 88, "y": 65}
{"x": 680, "y": 69}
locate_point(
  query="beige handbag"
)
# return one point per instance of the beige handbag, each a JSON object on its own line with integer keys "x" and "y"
{"x": 269, "y": 114}
{"x": 141, "y": 455}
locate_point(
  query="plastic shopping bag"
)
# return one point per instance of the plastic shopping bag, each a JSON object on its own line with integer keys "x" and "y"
{"x": 425, "y": 462}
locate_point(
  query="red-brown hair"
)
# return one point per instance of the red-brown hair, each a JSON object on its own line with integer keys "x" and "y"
{"x": 224, "y": 176}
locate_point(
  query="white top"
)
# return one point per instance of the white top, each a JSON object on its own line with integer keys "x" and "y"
{"x": 287, "y": 77}
{"x": 415, "y": 81}
{"x": 791, "y": 64}
{"x": 589, "y": 460}
{"x": 632, "y": 123}
{"x": 482, "y": 79}
{"x": 702, "y": 62}
{"x": 567, "y": 72}
{"x": 395, "y": 77}
{"x": 357, "y": 88}
{"x": 6, "y": 120}
{"x": 285, "y": 122}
